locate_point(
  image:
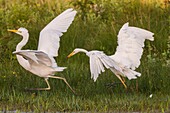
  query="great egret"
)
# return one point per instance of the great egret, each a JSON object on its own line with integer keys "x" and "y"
{"x": 126, "y": 58}
{"x": 41, "y": 62}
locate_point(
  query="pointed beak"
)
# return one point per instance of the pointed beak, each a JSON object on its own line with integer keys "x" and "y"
{"x": 71, "y": 54}
{"x": 12, "y": 30}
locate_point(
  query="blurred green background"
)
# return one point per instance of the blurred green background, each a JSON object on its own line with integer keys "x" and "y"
{"x": 96, "y": 26}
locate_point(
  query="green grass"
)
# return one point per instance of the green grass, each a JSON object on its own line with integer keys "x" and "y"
{"x": 58, "y": 101}
{"x": 92, "y": 29}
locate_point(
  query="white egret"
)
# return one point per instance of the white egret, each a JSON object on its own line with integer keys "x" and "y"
{"x": 41, "y": 62}
{"x": 126, "y": 58}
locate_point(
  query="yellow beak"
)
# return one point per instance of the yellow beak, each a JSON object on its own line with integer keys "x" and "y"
{"x": 13, "y": 30}
{"x": 71, "y": 54}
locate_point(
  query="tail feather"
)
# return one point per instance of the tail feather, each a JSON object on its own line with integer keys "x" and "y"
{"x": 58, "y": 69}
{"x": 130, "y": 74}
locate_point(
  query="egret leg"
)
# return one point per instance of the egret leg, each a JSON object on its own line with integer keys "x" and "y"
{"x": 61, "y": 78}
{"x": 113, "y": 84}
{"x": 48, "y": 88}
{"x": 121, "y": 80}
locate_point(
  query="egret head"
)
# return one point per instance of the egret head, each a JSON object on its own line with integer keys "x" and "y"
{"x": 21, "y": 31}
{"x": 75, "y": 51}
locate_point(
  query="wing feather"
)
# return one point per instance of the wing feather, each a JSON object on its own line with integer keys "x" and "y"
{"x": 92, "y": 69}
{"x": 36, "y": 56}
{"x": 50, "y": 36}
{"x": 98, "y": 60}
{"x": 130, "y": 46}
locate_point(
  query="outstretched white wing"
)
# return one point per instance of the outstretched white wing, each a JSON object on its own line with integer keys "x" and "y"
{"x": 98, "y": 60}
{"x": 130, "y": 46}
{"x": 36, "y": 56}
{"x": 50, "y": 36}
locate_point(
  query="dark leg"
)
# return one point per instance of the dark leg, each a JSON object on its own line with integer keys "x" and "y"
{"x": 115, "y": 83}
{"x": 48, "y": 88}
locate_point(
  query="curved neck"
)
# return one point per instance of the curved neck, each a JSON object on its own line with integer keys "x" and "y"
{"x": 83, "y": 50}
{"x": 23, "y": 42}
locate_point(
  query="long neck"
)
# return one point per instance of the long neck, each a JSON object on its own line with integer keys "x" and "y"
{"x": 23, "y": 42}
{"x": 83, "y": 50}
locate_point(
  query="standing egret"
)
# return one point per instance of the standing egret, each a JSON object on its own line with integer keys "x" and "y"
{"x": 126, "y": 58}
{"x": 41, "y": 62}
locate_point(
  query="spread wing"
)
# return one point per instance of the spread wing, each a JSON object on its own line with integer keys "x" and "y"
{"x": 98, "y": 60}
{"x": 36, "y": 56}
{"x": 50, "y": 36}
{"x": 130, "y": 46}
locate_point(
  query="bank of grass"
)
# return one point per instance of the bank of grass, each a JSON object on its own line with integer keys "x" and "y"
{"x": 93, "y": 28}
{"x": 66, "y": 102}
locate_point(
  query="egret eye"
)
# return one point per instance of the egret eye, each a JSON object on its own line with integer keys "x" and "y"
{"x": 20, "y": 31}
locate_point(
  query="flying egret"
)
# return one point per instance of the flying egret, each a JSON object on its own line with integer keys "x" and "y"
{"x": 126, "y": 58}
{"x": 41, "y": 62}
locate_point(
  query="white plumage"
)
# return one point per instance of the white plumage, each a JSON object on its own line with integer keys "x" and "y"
{"x": 126, "y": 58}
{"x": 98, "y": 60}
{"x": 130, "y": 46}
{"x": 49, "y": 36}
{"x": 41, "y": 62}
